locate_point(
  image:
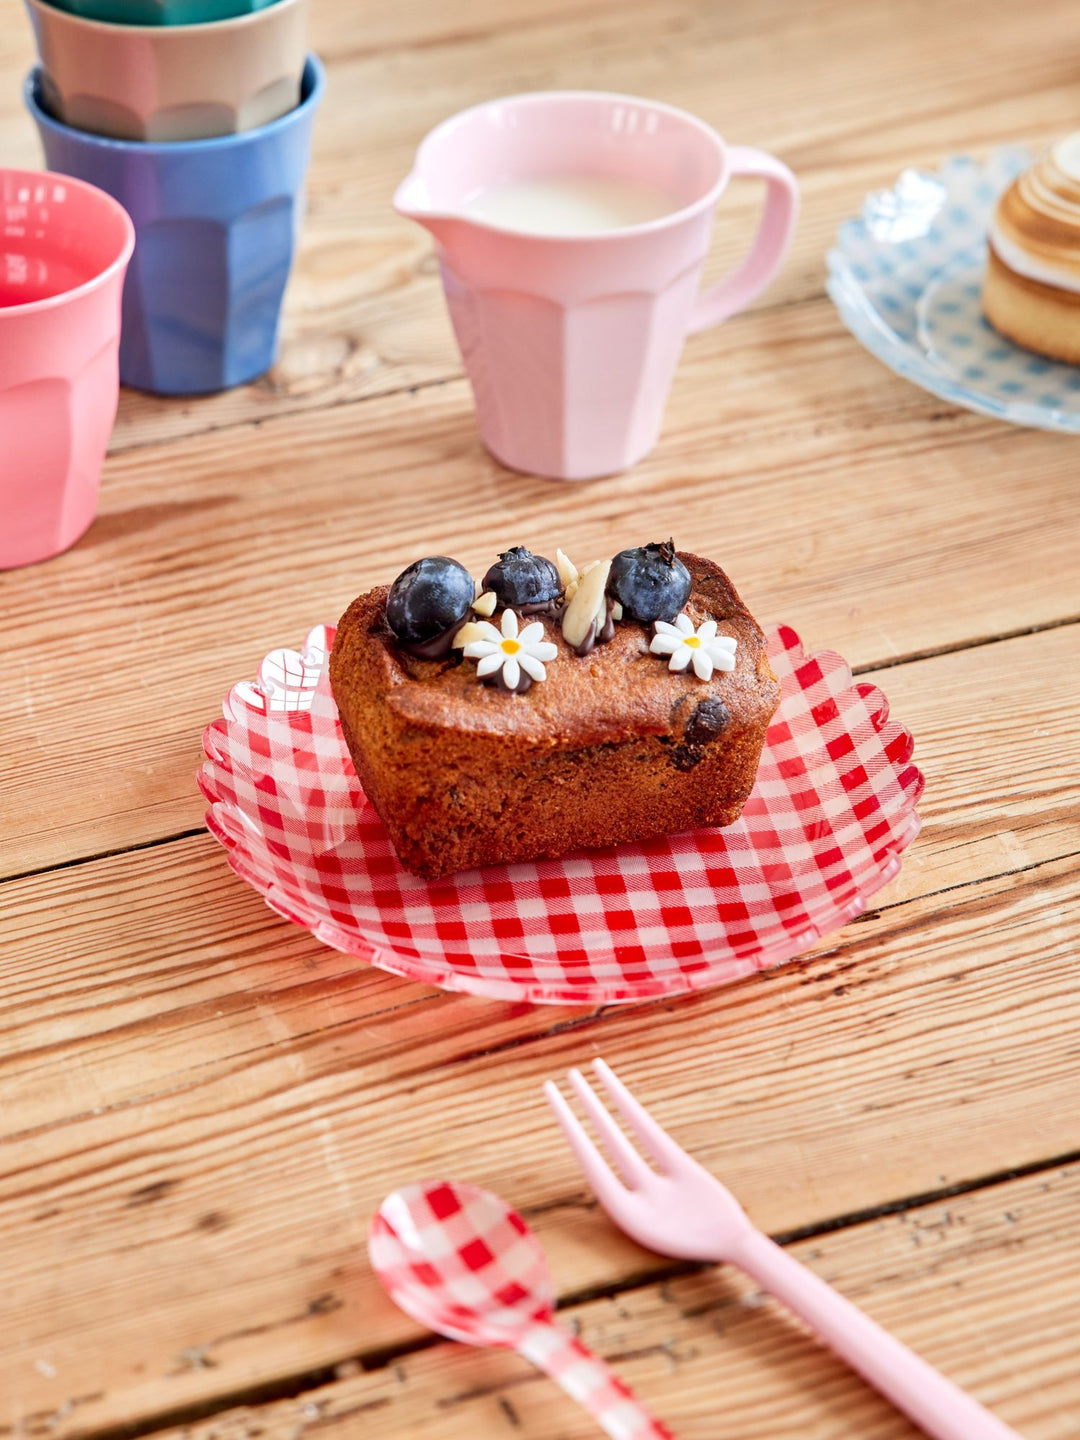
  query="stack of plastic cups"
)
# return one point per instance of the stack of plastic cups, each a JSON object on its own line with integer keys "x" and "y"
{"x": 196, "y": 116}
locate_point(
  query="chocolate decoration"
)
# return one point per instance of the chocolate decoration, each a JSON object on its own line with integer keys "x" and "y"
{"x": 496, "y": 682}
{"x": 548, "y": 609}
{"x": 588, "y": 643}
{"x": 598, "y": 637}
{"x": 709, "y": 719}
{"x": 437, "y": 648}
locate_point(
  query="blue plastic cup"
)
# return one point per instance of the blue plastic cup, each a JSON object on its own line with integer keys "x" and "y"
{"x": 216, "y": 224}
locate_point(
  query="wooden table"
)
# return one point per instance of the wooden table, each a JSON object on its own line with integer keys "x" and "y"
{"x": 202, "y": 1106}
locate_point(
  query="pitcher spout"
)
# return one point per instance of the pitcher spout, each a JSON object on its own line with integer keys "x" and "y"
{"x": 411, "y": 197}
{"x": 413, "y": 200}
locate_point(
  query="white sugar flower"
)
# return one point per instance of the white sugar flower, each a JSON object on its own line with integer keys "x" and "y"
{"x": 702, "y": 648}
{"x": 510, "y": 652}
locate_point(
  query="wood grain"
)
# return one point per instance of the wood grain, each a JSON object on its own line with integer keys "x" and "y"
{"x": 718, "y": 1360}
{"x": 984, "y": 815}
{"x": 200, "y": 1106}
{"x": 364, "y": 313}
{"x": 205, "y": 1123}
{"x": 873, "y": 527}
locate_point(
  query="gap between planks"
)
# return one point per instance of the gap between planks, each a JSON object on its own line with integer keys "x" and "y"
{"x": 120, "y": 446}
{"x": 370, "y": 1361}
{"x": 912, "y": 658}
{"x": 570, "y": 1201}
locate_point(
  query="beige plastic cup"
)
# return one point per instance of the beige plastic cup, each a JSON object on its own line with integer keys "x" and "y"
{"x": 171, "y": 82}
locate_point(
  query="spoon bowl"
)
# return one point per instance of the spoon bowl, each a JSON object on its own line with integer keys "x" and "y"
{"x": 462, "y": 1262}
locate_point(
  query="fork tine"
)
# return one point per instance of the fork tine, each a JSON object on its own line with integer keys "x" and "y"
{"x": 628, "y": 1162}
{"x": 655, "y": 1140}
{"x": 604, "y": 1182}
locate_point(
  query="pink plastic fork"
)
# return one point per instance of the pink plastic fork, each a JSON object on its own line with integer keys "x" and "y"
{"x": 684, "y": 1211}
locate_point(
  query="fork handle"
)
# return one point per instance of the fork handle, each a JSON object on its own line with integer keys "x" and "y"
{"x": 921, "y": 1392}
{"x": 590, "y": 1381}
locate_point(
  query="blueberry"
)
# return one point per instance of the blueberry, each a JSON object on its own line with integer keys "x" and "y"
{"x": 650, "y": 583}
{"x": 431, "y": 596}
{"x": 710, "y": 719}
{"x": 519, "y": 577}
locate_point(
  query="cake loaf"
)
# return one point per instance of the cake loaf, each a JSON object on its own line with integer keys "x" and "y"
{"x": 549, "y": 710}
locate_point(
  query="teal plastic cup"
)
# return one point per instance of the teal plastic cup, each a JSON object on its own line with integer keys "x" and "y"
{"x": 161, "y": 12}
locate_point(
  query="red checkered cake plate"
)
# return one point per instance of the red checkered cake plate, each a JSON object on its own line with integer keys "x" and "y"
{"x": 830, "y": 814}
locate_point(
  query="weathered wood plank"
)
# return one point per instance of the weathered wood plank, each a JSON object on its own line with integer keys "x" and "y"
{"x": 202, "y": 1106}
{"x": 853, "y": 514}
{"x": 983, "y": 1286}
{"x": 1005, "y": 803}
{"x": 204, "y": 1140}
{"x": 861, "y": 98}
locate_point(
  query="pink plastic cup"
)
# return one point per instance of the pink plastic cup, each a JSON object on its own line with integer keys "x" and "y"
{"x": 571, "y": 340}
{"x": 65, "y": 248}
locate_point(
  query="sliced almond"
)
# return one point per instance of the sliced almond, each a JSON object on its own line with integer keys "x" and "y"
{"x": 485, "y": 604}
{"x": 470, "y": 631}
{"x": 589, "y": 604}
{"x": 568, "y": 571}
{"x": 616, "y": 611}
{"x": 572, "y": 588}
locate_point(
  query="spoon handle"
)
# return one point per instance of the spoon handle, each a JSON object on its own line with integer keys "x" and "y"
{"x": 590, "y": 1381}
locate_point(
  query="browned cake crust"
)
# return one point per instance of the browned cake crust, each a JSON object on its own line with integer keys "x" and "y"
{"x": 1043, "y": 318}
{"x": 1033, "y": 268}
{"x": 611, "y": 748}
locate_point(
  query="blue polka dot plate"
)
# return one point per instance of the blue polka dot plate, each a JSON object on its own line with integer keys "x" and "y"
{"x": 906, "y": 278}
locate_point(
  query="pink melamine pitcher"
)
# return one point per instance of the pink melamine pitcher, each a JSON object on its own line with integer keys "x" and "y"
{"x": 571, "y": 336}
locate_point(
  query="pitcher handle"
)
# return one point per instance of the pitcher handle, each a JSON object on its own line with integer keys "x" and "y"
{"x": 749, "y": 279}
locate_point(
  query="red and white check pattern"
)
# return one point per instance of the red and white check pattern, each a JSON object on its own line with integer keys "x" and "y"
{"x": 832, "y": 810}
{"x": 460, "y": 1261}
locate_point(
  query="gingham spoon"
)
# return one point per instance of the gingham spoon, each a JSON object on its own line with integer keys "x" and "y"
{"x": 460, "y": 1261}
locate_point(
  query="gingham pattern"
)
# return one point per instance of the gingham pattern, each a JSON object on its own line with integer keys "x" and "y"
{"x": 461, "y": 1262}
{"x": 906, "y": 278}
{"x": 833, "y": 807}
